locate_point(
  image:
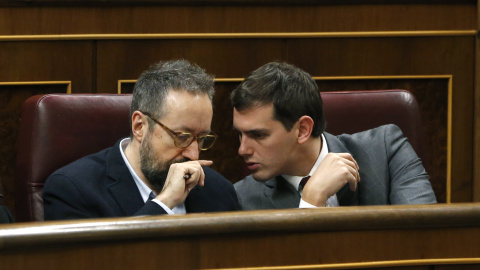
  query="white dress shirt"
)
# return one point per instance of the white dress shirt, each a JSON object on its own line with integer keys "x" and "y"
{"x": 295, "y": 180}
{"x": 143, "y": 188}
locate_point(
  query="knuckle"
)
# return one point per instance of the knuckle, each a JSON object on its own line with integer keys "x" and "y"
{"x": 344, "y": 171}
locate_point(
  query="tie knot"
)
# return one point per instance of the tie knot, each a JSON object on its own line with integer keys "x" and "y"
{"x": 303, "y": 182}
{"x": 151, "y": 196}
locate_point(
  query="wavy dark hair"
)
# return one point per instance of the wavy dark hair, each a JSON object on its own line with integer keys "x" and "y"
{"x": 292, "y": 91}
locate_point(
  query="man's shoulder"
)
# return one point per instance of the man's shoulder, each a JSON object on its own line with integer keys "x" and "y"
{"x": 384, "y": 129}
{"x": 90, "y": 164}
{"x": 371, "y": 140}
{"x": 372, "y": 135}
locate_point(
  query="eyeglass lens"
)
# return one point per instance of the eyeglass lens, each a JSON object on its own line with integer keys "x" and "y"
{"x": 204, "y": 142}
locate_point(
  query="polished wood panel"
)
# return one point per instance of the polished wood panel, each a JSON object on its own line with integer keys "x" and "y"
{"x": 225, "y": 152}
{"x": 476, "y": 160}
{"x": 235, "y": 18}
{"x": 48, "y": 61}
{"x": 385, "y": 237}
{"x": 222, "y": 58}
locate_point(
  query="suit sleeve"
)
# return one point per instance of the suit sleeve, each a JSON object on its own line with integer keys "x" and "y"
{"x": 149, "y": 209}
{"x": 5, "y": 215}
{"x": 217, "y": 195}
{"x": 63, "y": 200}
{"x": 409, "y": 182}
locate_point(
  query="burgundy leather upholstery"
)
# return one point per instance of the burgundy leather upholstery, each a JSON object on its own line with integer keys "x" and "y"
{"x": 354, "y": 111}
{"x": 57, "y": 129}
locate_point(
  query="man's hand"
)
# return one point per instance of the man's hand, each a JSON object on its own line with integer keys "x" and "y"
{"x": 176, "y": 187}
{"x": 334, "y": 172}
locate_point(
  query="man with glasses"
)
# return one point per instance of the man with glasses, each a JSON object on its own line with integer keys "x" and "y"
{"x": 157, "y": 169}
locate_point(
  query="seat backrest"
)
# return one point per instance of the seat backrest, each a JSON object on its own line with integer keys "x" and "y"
{"x": 354, "y": 111}
{"x": 57, "y": 129}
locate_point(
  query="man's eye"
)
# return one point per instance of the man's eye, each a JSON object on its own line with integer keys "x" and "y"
{"x": 258, "y": 136}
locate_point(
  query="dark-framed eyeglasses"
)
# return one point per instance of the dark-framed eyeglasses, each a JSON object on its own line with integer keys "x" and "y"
{"x": 184, "y": 139}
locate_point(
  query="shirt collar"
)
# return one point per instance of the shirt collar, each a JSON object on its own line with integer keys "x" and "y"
{"x": 142, "y": 187}
{"x": 294, "y": 180}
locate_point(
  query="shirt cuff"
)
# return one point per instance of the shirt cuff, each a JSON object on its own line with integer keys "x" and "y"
{"x": 168, "y": 210}
{"x": 304, "y": 204}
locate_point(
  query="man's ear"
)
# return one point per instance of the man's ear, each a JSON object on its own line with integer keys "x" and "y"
{"x": 138, "y": 125}
{"x": 305, "y": 127}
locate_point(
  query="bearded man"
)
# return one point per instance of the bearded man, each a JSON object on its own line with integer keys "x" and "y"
{"x": 157, "y": 169}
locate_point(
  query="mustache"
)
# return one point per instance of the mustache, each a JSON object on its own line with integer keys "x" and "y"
{"x": 180, "y": 160}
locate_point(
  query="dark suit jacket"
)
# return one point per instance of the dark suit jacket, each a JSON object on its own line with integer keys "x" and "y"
{"x": 390, "y": 173}
{"x": 100, "y": 185}
{"x": 5, "y": 215}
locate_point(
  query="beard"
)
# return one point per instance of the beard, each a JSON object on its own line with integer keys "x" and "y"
{"x": 154, "y": 171}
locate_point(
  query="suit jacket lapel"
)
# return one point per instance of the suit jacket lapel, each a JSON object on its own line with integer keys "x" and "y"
{"x": 281, "y": 194}
{"x": 122, "y": 187}
{"x": 345, "y": 196}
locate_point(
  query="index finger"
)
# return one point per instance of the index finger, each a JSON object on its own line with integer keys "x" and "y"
{"x": 349, "y": 157}
{"x": 205, "y": 162}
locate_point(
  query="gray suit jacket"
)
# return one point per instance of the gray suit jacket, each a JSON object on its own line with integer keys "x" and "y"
{"x": 390, "y": 173}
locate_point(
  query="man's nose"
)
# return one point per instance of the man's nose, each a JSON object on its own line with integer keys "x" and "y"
{"x": 192, "y": 152}
{"x": 244, "y": 149}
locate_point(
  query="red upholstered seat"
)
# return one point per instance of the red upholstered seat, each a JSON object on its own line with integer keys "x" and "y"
{"x": 57, "y": 129}
{"x": 354, "y": 111}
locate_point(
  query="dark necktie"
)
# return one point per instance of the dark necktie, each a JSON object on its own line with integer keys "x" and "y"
{"x": 303, "y": 182}
{"x": 151, "y": 196}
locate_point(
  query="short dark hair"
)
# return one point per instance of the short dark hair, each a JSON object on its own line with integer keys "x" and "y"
{"x": 153, "y": 85}
{"x": 292, "y": 91}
